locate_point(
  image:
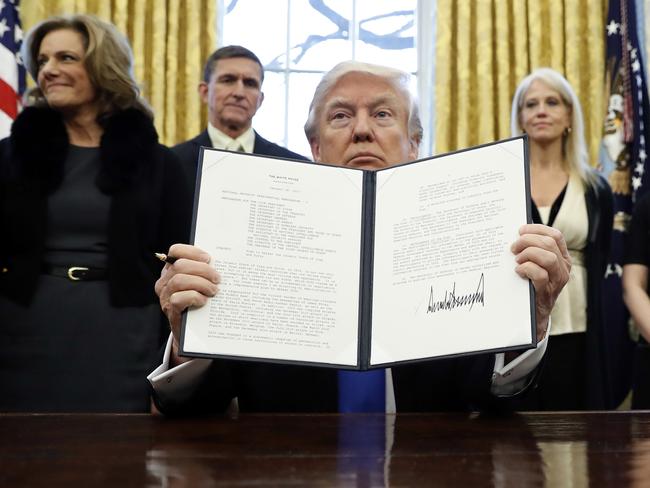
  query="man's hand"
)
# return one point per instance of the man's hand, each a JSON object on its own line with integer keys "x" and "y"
{"x": 189, "y": 282}
{"x": 542, "y": 256}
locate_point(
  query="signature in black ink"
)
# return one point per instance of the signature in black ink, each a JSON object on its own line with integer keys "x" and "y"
{"x": 451, "y": 301}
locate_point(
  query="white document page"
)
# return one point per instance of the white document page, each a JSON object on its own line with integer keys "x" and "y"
{"x": 444, "y": 273}
{"x": 285, "y": 238}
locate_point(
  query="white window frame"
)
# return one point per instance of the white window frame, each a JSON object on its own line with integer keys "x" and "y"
{"x": 426, "y": 57}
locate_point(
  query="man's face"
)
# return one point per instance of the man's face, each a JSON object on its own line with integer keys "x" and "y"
{"x": 363, "y": 124}
{"x": 233, "y": 94}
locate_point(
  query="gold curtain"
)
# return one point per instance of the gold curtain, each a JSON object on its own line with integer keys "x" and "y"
{"x": 170, "y": 39}
{"x": 485, "y": 47}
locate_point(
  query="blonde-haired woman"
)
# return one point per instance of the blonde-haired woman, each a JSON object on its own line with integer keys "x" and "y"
{"x": 87, "y": 194}
{"x": 569, "y": 195}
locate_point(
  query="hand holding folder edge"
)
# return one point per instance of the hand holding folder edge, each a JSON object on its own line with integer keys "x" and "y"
{"x": 176, "y": 293}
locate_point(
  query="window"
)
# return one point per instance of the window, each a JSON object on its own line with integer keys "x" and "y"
{"x": 299, "y": 40}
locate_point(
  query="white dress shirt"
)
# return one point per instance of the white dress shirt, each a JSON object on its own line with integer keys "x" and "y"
{"x": 244, "y": 143}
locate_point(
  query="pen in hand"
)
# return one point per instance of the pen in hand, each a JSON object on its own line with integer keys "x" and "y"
{"x": 164, "y": 258}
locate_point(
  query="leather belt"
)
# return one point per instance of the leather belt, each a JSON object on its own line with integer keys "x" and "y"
{"x": 76, "y": 273}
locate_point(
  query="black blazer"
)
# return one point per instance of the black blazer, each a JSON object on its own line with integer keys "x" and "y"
{"x": 604, "y": 354}
{"x": 150, "y": 201}
{"x": 188, "y": 152}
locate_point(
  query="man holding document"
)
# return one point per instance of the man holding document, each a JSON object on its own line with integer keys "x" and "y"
{"x": 363, "y": 116}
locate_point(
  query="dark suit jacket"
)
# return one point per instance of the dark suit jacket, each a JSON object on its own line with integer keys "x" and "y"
{"x": 188, "y": 151}
{"x": 457, "y": 384}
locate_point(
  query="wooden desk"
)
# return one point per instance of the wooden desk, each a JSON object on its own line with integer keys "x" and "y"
{"x": 543, "y": 449}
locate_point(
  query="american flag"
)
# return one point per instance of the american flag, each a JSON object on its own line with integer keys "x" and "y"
{"x": 623, "y": 158}
{"x": 12, "y": 71}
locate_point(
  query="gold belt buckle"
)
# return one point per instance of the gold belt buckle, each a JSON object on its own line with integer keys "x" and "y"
{"x": 71, "y": 271}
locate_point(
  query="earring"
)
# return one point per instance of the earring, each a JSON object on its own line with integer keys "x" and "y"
{"x": 567, "y": 131}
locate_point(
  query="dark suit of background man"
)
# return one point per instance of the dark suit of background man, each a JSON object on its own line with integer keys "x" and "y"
{"x": 232, "y": 88}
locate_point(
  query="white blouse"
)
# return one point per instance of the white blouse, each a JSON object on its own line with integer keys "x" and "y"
{"x": 570, "y": 311}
